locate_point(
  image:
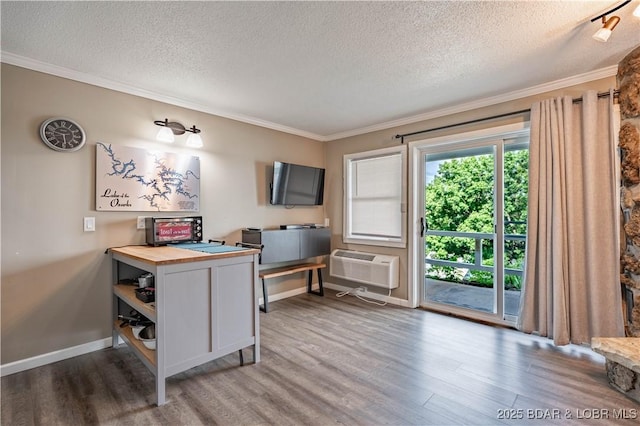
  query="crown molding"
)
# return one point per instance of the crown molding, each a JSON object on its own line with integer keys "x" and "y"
{"x": 32, "y": 64}
{"x": 481, "y": 103}
{"x": 21, "y": 61}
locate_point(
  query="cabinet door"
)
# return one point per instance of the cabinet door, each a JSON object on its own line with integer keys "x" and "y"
{"x": 187, "y": 316}
{"x": 233, "y": 296}
{"x": 280, "y": 245}
{"x": 315, "y": 242}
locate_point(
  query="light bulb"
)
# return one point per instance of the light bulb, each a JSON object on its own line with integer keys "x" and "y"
{"x": 165, "y": 135}
{"x": 602, "y": 35}
{"x": 194, "y": 141}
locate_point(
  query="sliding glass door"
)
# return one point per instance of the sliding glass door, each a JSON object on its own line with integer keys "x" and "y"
{"x": 473, "y": 226}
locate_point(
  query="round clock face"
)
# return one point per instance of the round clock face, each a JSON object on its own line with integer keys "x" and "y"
{"x": 62, "y": 134}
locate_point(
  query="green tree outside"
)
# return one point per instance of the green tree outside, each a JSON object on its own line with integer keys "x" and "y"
{"x": 460, "y": 198}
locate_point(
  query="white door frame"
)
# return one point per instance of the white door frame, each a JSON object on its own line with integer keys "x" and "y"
{"x": 416, "y": 197}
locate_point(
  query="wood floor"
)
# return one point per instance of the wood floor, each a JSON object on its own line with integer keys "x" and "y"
{"x": 337, "y": 361}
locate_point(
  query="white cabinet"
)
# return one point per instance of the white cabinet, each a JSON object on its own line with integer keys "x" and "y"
{"x": 205, "y": 307}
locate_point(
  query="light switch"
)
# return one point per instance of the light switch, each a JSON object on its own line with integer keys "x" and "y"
{"x": 89, "y": 224}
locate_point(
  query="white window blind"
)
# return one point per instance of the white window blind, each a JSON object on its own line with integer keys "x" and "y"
{"x": 374, "y": 197}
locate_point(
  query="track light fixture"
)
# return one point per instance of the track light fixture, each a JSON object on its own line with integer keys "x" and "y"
{"x": 608, "y": 25}
{"x": 171, "y": 128}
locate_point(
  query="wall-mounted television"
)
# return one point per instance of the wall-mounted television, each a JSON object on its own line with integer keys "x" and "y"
{"x": 297, "y": 185}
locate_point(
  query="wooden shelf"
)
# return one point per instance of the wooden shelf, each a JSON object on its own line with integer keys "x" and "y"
{"x": 128, "y": 294}
{"x": 146, "y": 355}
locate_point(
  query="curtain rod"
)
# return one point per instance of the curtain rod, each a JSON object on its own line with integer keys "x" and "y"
{"x": 624, "y": 3}
{"x": 493, "y": 117}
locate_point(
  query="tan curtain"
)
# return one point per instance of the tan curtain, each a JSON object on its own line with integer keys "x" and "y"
{"x": 571, "y": 287}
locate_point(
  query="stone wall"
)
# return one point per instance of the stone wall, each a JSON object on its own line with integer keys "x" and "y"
{"x": 629, "y": 98}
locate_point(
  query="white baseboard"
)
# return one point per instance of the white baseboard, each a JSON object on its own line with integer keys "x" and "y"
{"x": 51, "y": 357}
{"x": 62, "y": 354}
{"x": 332, "y": 286}
{"x": 287, "y": 294}
{"x": 371, "y": 295}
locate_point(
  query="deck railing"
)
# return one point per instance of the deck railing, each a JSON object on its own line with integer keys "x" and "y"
{"x": 477, "y": 264}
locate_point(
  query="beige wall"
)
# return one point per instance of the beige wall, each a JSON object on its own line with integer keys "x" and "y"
{"x": 55, "y": 290}
{"x": 385, "y": 138}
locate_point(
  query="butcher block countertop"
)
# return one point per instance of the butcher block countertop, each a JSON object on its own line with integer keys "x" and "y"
{"x": 166, "y": 255}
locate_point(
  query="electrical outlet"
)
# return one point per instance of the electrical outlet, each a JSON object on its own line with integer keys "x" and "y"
{"x": 141, "y": 224}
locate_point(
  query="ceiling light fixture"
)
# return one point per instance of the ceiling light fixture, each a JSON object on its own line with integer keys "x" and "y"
{"x": 171, "y": 128}
{"x": 608, "y": 25}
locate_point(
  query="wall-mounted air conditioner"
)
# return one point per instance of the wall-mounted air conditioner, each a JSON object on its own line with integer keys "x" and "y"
{"x": 374, "y": 269}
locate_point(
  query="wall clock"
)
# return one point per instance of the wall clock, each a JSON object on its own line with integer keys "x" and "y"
{"x": 62, "y": 134}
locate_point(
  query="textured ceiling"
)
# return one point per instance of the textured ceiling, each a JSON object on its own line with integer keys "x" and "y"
{"x": 318, "y": 69}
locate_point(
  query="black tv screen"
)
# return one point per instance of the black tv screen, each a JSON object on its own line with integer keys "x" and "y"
{"x": 296, "y": 185}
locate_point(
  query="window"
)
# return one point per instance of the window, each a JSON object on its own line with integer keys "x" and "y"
{"x": 374, "y": 203}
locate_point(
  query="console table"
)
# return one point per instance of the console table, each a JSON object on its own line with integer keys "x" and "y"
{"x": 286, "y": 245}
{"x": 205, "y": 305}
